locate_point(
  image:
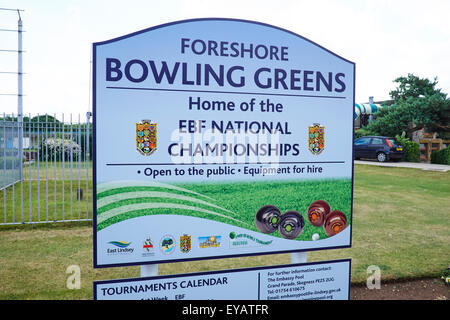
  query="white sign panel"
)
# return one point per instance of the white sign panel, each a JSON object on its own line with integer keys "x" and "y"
{"x": 327, "y": 280}
{"x": 216, "y": 138}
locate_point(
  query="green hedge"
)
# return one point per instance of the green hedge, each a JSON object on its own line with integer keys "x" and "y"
{"x": 410, "y": 148}
{"x": 442, "y": 156}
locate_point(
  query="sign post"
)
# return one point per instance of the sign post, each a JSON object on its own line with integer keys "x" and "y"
{"x": 149, "y": 270}
{"x": 218, "y": 138}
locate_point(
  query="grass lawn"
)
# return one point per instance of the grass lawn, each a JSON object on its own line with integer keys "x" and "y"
{"x": 40, "y": 205}
{"x": 400, "y": 223}
{"x": 57, "y": 170}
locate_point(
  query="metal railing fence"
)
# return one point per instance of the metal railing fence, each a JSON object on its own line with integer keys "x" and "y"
{"x": 51, "y": 180}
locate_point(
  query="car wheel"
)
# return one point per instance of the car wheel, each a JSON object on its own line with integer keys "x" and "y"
{"x": 381, "y": 157}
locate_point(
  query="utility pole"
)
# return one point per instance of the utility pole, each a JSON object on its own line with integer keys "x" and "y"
{"x": 20, "y": 93}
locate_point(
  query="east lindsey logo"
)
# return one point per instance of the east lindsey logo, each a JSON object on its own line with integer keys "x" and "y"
{"x": 121, "y": 247}
{"x": 146, "y": 140}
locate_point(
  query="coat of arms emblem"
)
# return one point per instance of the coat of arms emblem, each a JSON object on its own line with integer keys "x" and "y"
{"x": 146, "y": 140}
{"x": 316, "y": 138}
{"x": 185, "y": 243}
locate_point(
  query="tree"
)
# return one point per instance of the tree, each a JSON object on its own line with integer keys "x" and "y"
{"x": 414, "y": 87}
{"x": 417, "y": 105}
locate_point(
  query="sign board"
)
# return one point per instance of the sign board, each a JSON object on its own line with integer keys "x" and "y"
{"x": 218, "y": 138}
{"x": 328, "y": 280}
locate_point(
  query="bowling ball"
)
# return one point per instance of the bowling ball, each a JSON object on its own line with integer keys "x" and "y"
{"x": 267, "y": 218}
{"x": 335, "y": 222}
{"x": 317, "y": 212}
{"x": 291, "y": 224}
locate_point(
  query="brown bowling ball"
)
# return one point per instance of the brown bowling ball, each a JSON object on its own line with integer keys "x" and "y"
{"x": 317, "y": 212}
{"x": 335, "y": 222}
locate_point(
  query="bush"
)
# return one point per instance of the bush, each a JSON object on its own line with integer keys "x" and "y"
{"x": 410, "y": 148}
{"x": 56, "y": 147}
{"x": 442, "y": 156}
{"x": 363, "y": 132}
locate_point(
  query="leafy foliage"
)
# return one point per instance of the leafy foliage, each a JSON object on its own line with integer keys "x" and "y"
{"x": 52, "y": 147}
{"x": 414, "y": 87}
{"x": 363, "y": 132}
{"x": 410, "y": 148}
{"x": 442, "y": 156}
{"x": 418, "y": 104}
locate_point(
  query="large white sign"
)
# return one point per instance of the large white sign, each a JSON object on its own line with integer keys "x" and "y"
{"x": 218, "y": 138}
{"x": 328, "y": 280}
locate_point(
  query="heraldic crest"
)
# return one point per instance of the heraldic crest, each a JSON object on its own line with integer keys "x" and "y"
{"x": 316, "y": 138}
{"x": 146, "y": 140}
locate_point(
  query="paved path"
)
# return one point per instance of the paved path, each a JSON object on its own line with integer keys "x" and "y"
{"x": 416, "y": 165}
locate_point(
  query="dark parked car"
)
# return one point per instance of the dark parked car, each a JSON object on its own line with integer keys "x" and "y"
{"x": 380, "y": 148}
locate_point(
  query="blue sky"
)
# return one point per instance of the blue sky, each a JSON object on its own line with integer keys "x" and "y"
{"x": 386, "y": 39}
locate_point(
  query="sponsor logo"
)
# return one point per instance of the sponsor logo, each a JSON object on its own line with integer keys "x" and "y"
{"x": 185, "y": 243}
{"x": 147, "y": 248}
{"x": 316, "y": 138}
{"x": 146, "y": 139}
{"x": 209, "y": 241}
{"x": 119, "y": 247}
{"x": 167, "y": 244}
{"x": 246, "y": 240}
{"x": 120, "y": 244}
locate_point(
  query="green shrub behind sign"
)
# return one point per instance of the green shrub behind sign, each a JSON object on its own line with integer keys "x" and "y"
{"x": 442, "y": 156}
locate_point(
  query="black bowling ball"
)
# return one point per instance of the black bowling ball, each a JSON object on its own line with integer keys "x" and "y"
{"x": 267, "y": 218}
{"x": 291, "y": 225}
